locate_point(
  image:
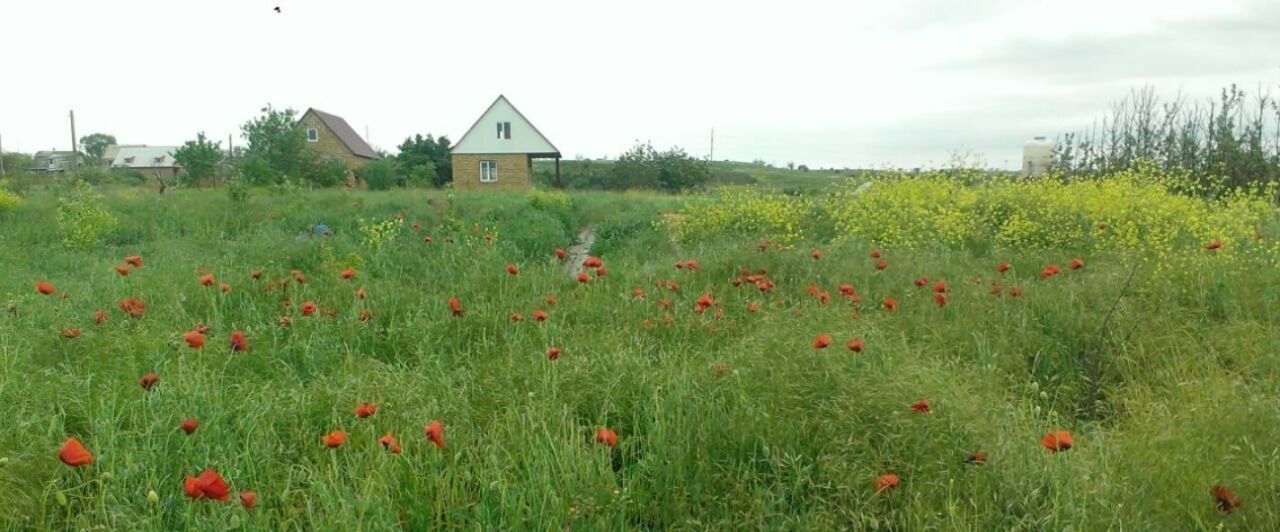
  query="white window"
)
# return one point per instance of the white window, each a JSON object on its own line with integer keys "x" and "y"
{"x": 504, "y": 130}
{"x": 488, "y": 171}
{"x": 313, "y": 134}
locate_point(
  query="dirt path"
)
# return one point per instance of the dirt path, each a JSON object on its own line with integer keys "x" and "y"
{"x": 579, "y": 251}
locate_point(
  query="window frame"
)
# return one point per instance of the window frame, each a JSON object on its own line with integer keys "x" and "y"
{"x": 488, "y": 171}
{"x": 313, "y": 134}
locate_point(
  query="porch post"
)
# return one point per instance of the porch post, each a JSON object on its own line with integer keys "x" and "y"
{"x": 558, "y": 184}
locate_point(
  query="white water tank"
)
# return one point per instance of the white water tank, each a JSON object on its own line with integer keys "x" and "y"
{"x": 1037, "y": 153}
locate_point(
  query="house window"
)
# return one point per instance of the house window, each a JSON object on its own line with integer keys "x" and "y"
{"x": 504, "y": 130}
{"x": 488, "y": 171}
{"x": 313, "y": 134}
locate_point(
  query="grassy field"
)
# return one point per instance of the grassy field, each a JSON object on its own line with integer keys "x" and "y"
{"x": 726, "y": 415}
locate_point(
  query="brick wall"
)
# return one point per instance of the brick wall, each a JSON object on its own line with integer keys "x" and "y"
{"x": 515, "y": 172}
{"x": 329, "y": 145}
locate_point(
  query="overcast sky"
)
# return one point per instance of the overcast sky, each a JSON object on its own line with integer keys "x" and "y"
{"x": 841, "y": 83}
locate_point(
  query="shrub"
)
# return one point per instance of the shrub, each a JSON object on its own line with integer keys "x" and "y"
{"x": 327, "y": 173}
{"x": 8, "y": 200}
{"x": 379, "y": 175}
{"x": 82, "y": 219}
{"x": 746, "y": 212}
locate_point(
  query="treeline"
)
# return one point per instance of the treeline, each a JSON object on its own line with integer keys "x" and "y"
{"x": 641, "y": 167}
{"x": 1229, "y": 142}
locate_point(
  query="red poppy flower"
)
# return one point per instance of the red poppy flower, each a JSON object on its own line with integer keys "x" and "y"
{"x": 886, "y": 482}
{"x": 921, "y": 281}
{"x": 123, "y": 270}
{"x": 977, "y": 458}
{"x": 148, "y": 381}
{"x": 209, "y": 485}
{"x": 765, "y": 285}
{"x": 364, "y": 410}
{"x": 824, "y": 297}
{"x": 189, "y": 426}
{"x": 847, "y": 290}
{"x": 553, "y": 353}
{"x": 601, "y": 272}
{"x": 921, "y": 407}
{"x": 349, "y": 273}
{"x": 511, "y": 269}
{"x": 389, "y": 442}
{"x": 248, "y": 499}
{"x": 890, "y": 304}
{"x": 551, "y": 301}
{"x": 361, "y": 294}
{"x": 239, "y": 342}
{"x": 100, "y": 317}
{"x": 200, "y": 328}
{"x": 308, "y": 308}
{"x": 1057, "y": 441}
{"x": 583, "y": 278}
{"x": 284, "y": 321}
{"x": 855, "y": 345}
{"x": 134, "y": 260}
{"x": 516, "y": 317}
{"x": 881, "y": 264}
{"x": 1216, "y": 244}
{"x": 455, "y": 307}
{"x": 704, "y": 302}
{"x": 133, "y": 307}
{"x": 1075, "y": 264}
{"x": 637, "y": 292}
{"x": 753, "y": 307}
{"x": 664, "y": 303}
{"x": 940, "y": 300}
{"x": 816, "y": 254}
{"x": 334, "y": 439}
{"x": 1003, "y": 267}
{"x": 1015, "y": 291}
{"x": 74, "y": 454}
{"x": 593, "y": 262}
{"x": 427, "y": 239}
{"x": 540, "y": 315}
{"x": 435, "y": 433}
{"x": 226, "y": 288}
{"x": 1050, "y": 271}
{"x": 940, "y": 287}
{"x": 69, "y": 333}
{"x": 1227, "y": 501}
{"x": 822, "y": 341}
{"x": 607, "y": 437}
{"x": 365, "y": 315}
{"x": 875, "y": 253}
{"x": 207, "y": 279}
{"x": 256, "y": 274}
{"x": 194, "y": 339}
{"x": 45, "y": 288}
{"x": 560, "y": 254}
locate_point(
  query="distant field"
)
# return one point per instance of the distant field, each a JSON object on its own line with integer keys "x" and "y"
{"x": 727, "y": 173}
{"x": 1161, "y": 364}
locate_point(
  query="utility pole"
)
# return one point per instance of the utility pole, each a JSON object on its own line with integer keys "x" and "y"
{"x": 75, "y": 149}
{"x": 1, "y": 156}
{"x": 712, "y": 157}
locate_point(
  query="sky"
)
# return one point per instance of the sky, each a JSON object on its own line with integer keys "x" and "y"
{"x": 849, "y": 83}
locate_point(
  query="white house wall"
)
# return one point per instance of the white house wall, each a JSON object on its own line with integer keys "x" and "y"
{"x": 483, "y": 136}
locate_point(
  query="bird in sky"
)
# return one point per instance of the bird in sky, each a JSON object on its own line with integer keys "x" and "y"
{"x": 277, "y": 9}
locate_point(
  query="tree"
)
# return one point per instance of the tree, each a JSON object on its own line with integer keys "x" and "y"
{"x": 380, "y": 174}
{"x": 419, "y": 154}
{"x": 672, "y": 170}
{"x": 96, "y": 144}
{"x": 199, "y": 158}
{"x": 276, "y": 148}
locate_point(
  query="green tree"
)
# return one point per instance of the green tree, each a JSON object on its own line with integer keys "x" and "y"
{"x": 277, "y": 148}
{"x": 672, "y": 170}
{"x": 380, "y": 174}
{"x": 96, "y": 144}
{"x": 199, "y": 158}
{"x": 419, "y": 154}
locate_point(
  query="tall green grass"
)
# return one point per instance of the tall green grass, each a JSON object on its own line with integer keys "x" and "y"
{"x": 1175, "y": 393}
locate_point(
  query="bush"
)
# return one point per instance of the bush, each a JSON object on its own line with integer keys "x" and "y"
{"x": 379, "y": 175}
{"x": 82, "y": 219}
{"x": 8, "y": 200}
{"x": 557, "y": 204}
{"x": 328, "y": 173}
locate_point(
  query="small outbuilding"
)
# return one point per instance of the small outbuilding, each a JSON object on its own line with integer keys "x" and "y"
{"x": 150, "y": 161}
{"x": 497, "y": 153}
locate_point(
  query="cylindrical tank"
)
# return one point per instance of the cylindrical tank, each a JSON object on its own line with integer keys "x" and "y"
{"x": 1036, "y": 155}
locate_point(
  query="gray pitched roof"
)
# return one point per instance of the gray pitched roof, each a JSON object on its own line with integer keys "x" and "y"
{"x": 343, "y": 130}
{"x": 144, "y": 157}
